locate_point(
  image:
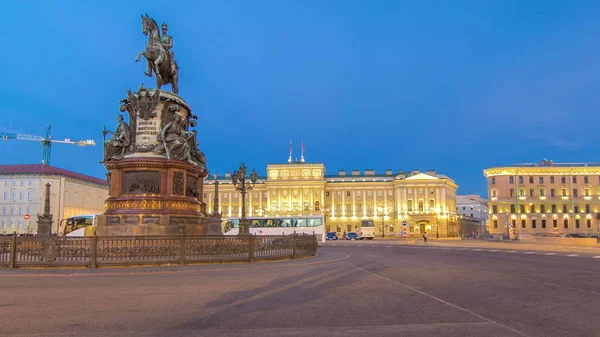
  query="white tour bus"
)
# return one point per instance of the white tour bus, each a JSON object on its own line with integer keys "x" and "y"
{"x": 79, "y": 225}
{"x": 283, "y": 225}
{"x": 367, "y": 230}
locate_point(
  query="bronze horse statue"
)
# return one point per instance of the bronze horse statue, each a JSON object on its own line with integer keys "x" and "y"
{"x": 157, "y": 56}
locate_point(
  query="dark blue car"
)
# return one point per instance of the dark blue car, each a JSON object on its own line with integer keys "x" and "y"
{"x": 351, "y": 236}
{"x": 331, "y": 236}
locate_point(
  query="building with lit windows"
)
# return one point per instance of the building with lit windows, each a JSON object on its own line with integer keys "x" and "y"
{"x": 425, "y": 200}
{"x": 22, "y": 195}
{"x": 545, "y": 198}
{"x": 473, "y": 213}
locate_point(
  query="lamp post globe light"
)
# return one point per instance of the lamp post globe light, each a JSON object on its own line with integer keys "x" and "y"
{"x": 243, "y": 185}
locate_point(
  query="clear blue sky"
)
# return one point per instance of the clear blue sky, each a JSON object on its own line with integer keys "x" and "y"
{"x": 456, "y": 86}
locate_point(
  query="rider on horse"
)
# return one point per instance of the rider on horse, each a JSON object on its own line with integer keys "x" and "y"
{"x": 167, "y": 42}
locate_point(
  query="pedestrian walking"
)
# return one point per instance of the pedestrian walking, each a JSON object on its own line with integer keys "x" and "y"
{"x": 425, "y": 237}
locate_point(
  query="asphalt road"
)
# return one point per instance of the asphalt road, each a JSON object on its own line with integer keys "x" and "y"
{"x": 350, "y": 289}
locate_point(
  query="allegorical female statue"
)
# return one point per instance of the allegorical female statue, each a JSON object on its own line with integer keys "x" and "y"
{"x": 116, "y": 147}
{"x": 174, "y": 138}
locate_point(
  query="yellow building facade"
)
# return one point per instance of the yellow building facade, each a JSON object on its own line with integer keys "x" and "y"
{"x": 425, "y": 200}
{"x": 545, "y": 198}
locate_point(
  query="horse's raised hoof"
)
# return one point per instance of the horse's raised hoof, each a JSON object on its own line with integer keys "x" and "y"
{"x": 149, "y": 74}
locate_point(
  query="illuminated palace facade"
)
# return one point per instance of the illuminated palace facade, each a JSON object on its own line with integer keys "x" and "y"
{"x": 549, "y": 198}
{"x": 425, "y": 200}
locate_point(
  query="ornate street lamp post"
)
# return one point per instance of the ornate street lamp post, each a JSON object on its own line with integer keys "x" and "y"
{"x": 381, "y": 209}
{"x": 242, "y": 185}
{"x": 437, "y": 225}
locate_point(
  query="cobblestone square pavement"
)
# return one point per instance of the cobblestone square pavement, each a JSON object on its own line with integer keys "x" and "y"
{"x": 350, "y": 289}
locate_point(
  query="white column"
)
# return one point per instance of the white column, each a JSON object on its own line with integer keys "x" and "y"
{"x": 312, "y": 203}
{"x": 364, "y": 197}
{"x": 278, "y": 200}
{"x": 230, "y": 202}
{"x": 384, "y": 201}
{"x": 260, "y": 196}
{"x": 301, "y": 200}
{"x": 353, "y": 203}
{"x": 289, "y": 199}
{"x": 332, "y": 202}
{"x": 375, "y": 203}
{"x": 343, "y": 203}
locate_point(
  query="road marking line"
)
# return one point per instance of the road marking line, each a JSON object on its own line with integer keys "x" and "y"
{"x": 596, "y": 257}
{"x": 511, "y": 251}
{"x": 550, "y": 254}
{"x": 573, "y": 255}
{"x": 360, "y": 245}
{"x": 445, "y": 302}
{"x": 387, "y": 246}
{"x": 529, "y": 253}
{"x": 493, "y": 250}
{"x": 446, "y": 248}
{"x": 476, "y": 250}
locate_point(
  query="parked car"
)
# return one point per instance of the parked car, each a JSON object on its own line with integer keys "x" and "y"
{"x": 331, "y": 236}
{"x": 351, "y": 236}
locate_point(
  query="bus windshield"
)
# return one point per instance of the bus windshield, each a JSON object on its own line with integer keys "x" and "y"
{"x": 75, "y": 223}
{"x": 367, "y": 223}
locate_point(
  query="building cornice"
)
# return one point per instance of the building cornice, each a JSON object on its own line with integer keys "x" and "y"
{"x": 541, "y": 170}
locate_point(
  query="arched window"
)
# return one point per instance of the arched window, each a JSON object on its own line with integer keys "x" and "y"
{"x": 421, "y": 203}
{"x": 431, "y": 204}
{"x": 409, "y": 205}
{"x": 317, "y": 206}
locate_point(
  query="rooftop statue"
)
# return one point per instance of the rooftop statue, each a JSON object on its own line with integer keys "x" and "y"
{"x": 159, "y": 57}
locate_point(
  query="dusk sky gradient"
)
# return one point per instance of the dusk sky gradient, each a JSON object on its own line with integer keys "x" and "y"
{"x": 455, "y": 86}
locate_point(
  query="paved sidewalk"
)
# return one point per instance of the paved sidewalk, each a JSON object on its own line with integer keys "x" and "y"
{"x": 514, "y": 245}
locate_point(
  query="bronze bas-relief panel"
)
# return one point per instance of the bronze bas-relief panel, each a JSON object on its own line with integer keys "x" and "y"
{"x": 147, "y": 182}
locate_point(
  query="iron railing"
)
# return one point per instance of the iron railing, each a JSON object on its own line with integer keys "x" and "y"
{"x": 96, "y": 251}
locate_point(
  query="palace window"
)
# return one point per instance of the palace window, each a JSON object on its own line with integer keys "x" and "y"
{"x": 390, "y": 193}
{"x": 575, "y": 209}
{"x": 532, "y": 208}
{"x": 564, "y": 192}
{"x": 358, "y": 193}
{"x": 563, "y": 180}
{"x": 533, "y": 223}
{"x": 493, "y": 180}
{"x": 511, "y": 180}
{"x": 566, "y": 223}
{"x": 523, "y": 223}
{"x": 531, "y": 179}
{"x": 521, "y": 192}
{"x": 421, "y": 206}
{"x": 495, "y": 209}
{"x": 522, "y": 209}
{"x": 543, "y": 223}
{"x": 431, "y": 204}
{"x": 586, "y": 192}
{"x": 588, "y": 223}
{"x": 327, "y": 194}
{"x": 379, "y": 193}
{"x": 542, "y": 193}
{"x": 317, "y": 206}
{"x": 347, "y": 193}
{"x": 576, "y": 223}
{"x": 564, "y": 208}
{"x": 541, "y": 180}
{"x": 531, "y": 194}
{"x": 520, "y": 179}
{"x": 512, "y": 192}
{"x": 574, "y": 180}
{"x": 554, "y": 223}
{"x": 493, "y": 193}
{"x": 585, "y": 180}
{"x": 495, "y": 223}
{"x": 543, "y": 208}
{"x": 587, "y": 208}
{"x": 409, "y": 205}
{"x": 551, "y": 179}
{"x": 512, "y": 208}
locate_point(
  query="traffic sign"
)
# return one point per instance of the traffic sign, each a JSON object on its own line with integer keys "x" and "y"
{"x": 26, "y": 216}
{"x": 403, "y": 223}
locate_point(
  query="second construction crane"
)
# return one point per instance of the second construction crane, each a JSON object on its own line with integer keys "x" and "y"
{"x": 46, "y": 142}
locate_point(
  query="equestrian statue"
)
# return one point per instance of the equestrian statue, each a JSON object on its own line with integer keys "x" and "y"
{"x": 160, "y": 59}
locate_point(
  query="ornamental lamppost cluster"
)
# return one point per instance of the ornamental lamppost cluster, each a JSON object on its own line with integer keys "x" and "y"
{"x": 243, "y": 185}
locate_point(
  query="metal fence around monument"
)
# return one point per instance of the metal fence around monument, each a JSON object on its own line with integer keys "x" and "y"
{"x": 95, "y": 251}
